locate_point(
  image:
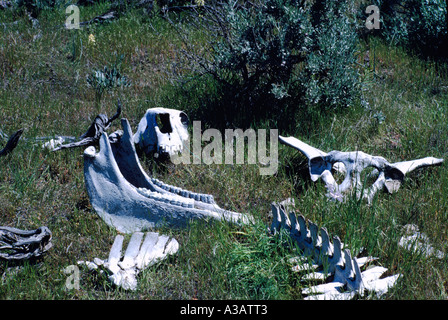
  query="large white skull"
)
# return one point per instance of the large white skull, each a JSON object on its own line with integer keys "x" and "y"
{"x": 389, "y": 175}
{"x": 162, "y": 131}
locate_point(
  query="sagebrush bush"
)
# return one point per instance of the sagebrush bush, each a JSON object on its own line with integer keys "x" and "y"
{"x": 420, "y": 25}
{"x": 273, "y": 57}
{"x": 107, "y": 79}
{"x": 331, "y": 78}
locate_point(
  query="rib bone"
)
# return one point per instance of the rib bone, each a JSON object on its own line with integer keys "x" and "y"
{"x": 333, "y": 260}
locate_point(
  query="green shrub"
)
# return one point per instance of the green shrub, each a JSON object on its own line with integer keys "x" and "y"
{"x": 420, "y": 25}
{"x": 172, "y": 3}
{"x": 273, "y": 57}
{"x": 331, "y": 78}
{"x": 107, "y": 79}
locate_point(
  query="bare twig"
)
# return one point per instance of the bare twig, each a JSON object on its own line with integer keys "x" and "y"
{"x": 12, "y": 143}
{"x": 96, "y": 129}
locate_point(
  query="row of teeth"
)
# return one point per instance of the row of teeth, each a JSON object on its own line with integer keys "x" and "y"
{"x": 207, "y": 198}
{"x": 167, "y": 198}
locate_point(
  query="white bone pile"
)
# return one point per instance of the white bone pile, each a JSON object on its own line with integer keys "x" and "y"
{"x": 389, "y": 175}
{"x": 329, "y": 261}
{"x": 123, "y": 271}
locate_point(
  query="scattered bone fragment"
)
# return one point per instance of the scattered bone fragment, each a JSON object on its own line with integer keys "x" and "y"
{"x": 12, "y": 143}
{"x": 91, "y": 137}
{"x": 418, "y": 242}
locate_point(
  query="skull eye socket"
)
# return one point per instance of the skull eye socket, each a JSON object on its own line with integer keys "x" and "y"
{"x": 184, "y": 119}
{"x": 163, "y": 122}
{"x": 394, "y": 174}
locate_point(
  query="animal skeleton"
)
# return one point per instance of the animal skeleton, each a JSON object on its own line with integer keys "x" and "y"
{"x": 129, "y": 200}
{"x": 162, "y": 131}
{"x": 123, "y": 271}
{"x": 333, "y": 260}
{"x": 16, "y": 244}
{"x": 390, "y": 175}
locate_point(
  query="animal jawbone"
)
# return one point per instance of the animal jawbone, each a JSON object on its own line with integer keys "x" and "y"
{"x": 128, "y": 199}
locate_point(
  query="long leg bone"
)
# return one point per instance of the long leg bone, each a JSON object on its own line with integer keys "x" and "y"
{"x": 332, "y": 258}
{"x": 390, "y": 175}
{"x": 123, "y": 270}
{"x": 127, "y": 199}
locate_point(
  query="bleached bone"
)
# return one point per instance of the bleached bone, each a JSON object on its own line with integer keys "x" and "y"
{"x": 16, "y": 244}
{"x": 418, "y": 242}
{"x": 390, "y": 175}
{"x": 123, "y": 270}
{"x": 329, "y": 260}
{"x": 162, "y": 131}
{"x": 129, "y": 200}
